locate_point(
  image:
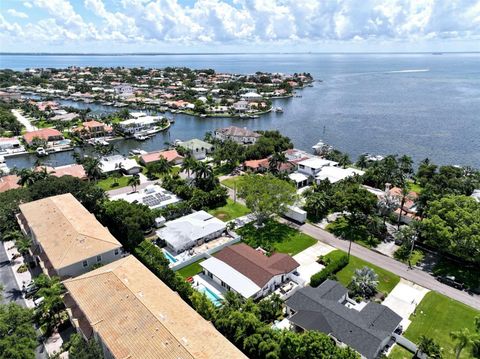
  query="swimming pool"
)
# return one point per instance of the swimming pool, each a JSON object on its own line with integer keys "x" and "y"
{"x": 170, "y": 258}
{"x": 213, "y": 297}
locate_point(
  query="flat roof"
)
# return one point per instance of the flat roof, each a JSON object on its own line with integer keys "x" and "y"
{"x": 297, "y": 177}
{"x": 317, "y": 162}
{"x": 236, "y": 280}
{"x": 335, "y": 174}
{"x": 67, "y": 232}
{"x": 138, "y": 316}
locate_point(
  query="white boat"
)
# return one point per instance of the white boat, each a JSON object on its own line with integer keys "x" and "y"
{"x": 140, "y": 137}
{"x": 203, "y": 115}
{"x": 278, "y": 109}
{"x": 41, "y": 152}
{"x": 99, "y": 141}
{"x": 321, "y": 148}
{"x": 137, "y": 151}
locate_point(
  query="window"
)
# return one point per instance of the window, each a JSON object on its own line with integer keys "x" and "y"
{"x": 85, "y": 263}
{"x": 99, "y": 259}
{"x": 116, "y": 252}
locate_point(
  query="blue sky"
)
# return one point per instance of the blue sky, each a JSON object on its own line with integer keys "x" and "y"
{"x": 239, "y": 25}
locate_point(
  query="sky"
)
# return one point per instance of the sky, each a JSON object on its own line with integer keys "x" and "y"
{"x": 186, "y": 26}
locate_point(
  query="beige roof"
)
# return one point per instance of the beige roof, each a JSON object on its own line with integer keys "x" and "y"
{"x": 138, "y": 316}
{"x": 67, "y": 232}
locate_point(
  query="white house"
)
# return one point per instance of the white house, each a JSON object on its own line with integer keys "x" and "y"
{"x": 240, "y": 106}
{"x": 152, "y": 196}
{"x": 198, "y": 148}
{"x": 118, "y": 163}
{"x": 239, "y": 135}
{"x": 249, "y": 272}
{"x": 140, "y": 122}
{"x": 251, "y": 96}
{"x": 191, "y": 230}
{"x": 335, "y": 174}
{"x": 312, "y": 166}
{"x": 124, "y": 90}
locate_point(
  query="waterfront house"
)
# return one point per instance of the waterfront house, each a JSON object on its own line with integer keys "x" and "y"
{"x": 251, "y": 96}
{"x": 170, "y": 155}
{"x": 240, "y": 106}
{"x": 10, "y": 144}
{"x": 365, "y": 327}
{"x": 409, "y": 209}
{"x": 312, "y": 166}
{"x": 198, "y": 149}
{"x": 46, "y": 134}
{"x": 93, "y": 129}
{"x": 133, "y": 314}
{"x": 194, "y": 229}
{"x": 67, "y": 240}
{"x": 240, "y": 135}
{"x": 119, "y": 163}
{"x": 140, "y": 122}
{"x": 152, "y": 196}
{"x": 249, "y": 272}
{"x": 74, "y": 170}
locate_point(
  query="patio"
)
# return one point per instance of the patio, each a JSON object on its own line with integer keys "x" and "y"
{"x": 308, "y": 260}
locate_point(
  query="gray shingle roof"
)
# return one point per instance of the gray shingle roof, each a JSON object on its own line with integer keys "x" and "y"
{"x": 320, "y": 309}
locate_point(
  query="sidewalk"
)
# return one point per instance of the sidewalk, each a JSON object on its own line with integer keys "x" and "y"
{"x": 24, "y": 121}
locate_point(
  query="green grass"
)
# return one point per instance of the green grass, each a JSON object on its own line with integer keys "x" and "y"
{"x": 230, "y": 182}
{"x": 415, "y": 187}
{"x": 386, "y": 280}
{"x": 108, "y": 183}
{"x": 276, "y": 237}
{"x": 399, "y": 352}
{"x": 191, "y": 269}
{"x": 359, "y": 234}
{"x": 402, "y": 254}
{"x": 436, "y": 316}
{"x": 463, "y": 274}
{"x": 230, "y": 211}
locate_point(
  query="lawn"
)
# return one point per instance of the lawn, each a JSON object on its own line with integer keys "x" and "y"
{"x": 387, "y": 280}
{"x": 276, "y": 237}
{"x": 191, "y": 269}
{"x": 436, "y": 316}
{"x": 399, "y": 352}
{"x": 110, "y": 183}
{"x": 230, "y": 211}
{"x": 359, "y": 234}
{"x": 463, "y": 274}
{"x": 230, "y": 182}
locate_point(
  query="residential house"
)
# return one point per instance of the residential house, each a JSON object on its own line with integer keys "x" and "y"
{"x": 198, "y": 149}
{"x": 139, "y": 123}
{"x": 409, "y": 209}
{"x": 191, "y": 230}
{"x": 67, "y": 240}
{"x": 251, "y": 96}
{"x": 170, "y": 155}
{"x": 133, "y": 314}
{"x": 239, "y": 135}
{"x": 10, "y": 144}
{"x": 249, "y": 272}
{"x": 119, "y": 163}
{"x": 335, "y": 174}
{"x": 367, "y": 328}
{"x": 9, "y": 182}
{"x": 46, "y": 134}
{"x": 93, "y": 129}
{"x": 312, "y": 166}
{"x": 262, "y": 165}
{"x": 152, "y": 196}
{"x": 476, "y": 195}
{"x": 74, "y": 170}
{"x": 240, "y": 106}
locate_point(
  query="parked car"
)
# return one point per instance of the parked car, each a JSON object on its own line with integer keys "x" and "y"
{"x": 451, "y": 281}
{"x": 30, "y": 290}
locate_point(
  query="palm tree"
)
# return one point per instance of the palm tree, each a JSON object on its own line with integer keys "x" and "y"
{"x": 364, "y": 282}
{"x": 275, "y": 161}
{"x": 362, "y": 161}
{"x": 429, "y": 347}
{"x": 202, "y": 170}
{"x": 134, "y": 181}
{"x": 386, "y": 205}
{"x": 189, "y": 163}
{"x": 463, "y": 339}
{"x": 405, "y": 193}
{"x": 344, "y": 160}
{"x": 92, "y": 168}
{"x": 163, "y": 166}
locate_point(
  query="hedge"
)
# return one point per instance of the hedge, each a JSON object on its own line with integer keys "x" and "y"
{"x": 334, "y": 265}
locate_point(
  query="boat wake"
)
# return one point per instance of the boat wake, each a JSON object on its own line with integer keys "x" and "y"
{"x": 407, "y": 71}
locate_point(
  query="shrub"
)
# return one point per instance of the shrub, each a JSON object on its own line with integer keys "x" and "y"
{"x": 334, "y": 264}
{"x": 22, "y": 269}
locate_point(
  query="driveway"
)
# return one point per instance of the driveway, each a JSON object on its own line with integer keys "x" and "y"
{"x": 404, "y": 298}
{"x": 11, "y": 291}
{"x": 308, "y": 260}
{"x": 24, "y": 121}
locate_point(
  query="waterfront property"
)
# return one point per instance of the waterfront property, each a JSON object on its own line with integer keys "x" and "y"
{"x": 141, "y": 122}
{"x": 239, "y": 135}
{"x": 74, "y": 170}
{"x": 152, "y": 196}
{"x": 93, "y": 129}
{"x": 249, "y": 272}
{"x": 170, "y": 155}
{"x": 198, "y": 149}
{"x": 365, "y": 327}
{"x": 133, "y": 314}
{"x": 67, "y": 240}
{"x": 45, "y": 134}
{"x": 119, "y": 163}
{"x": 186, "y": 232}
{"x": 10, "y": 145}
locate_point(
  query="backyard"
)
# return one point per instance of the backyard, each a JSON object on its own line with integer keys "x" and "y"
{"x": 387, "y": 280}
{"x": 112, "y": 182}
{"x": 436, "y": 316}
{"x": 230, "y": 211}
{"x": 399, "y": 352}
{"x": 191, "y": 269}
{"x": 276, "y": 237}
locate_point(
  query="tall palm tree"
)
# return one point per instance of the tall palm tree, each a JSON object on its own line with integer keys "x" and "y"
{"x": 362, "y": 161}
{"x": 344, "y": 160}
{"x": 275, "y": 161}
{"x": 134, "y": 181}
{"x": 463, "y": 338}
{"x": 202, "y": 170}
{"x": 163, "y": 166}
{"x": 189, "y": 163}
{"x": 92, "y": 168}
{"x": 405, "y": 193}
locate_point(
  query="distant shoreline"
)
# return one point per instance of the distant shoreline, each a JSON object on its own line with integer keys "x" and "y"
{"x": 230, "y": 53}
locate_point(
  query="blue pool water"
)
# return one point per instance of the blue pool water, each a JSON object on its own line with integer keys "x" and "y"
{"x": 170, "y": 258}
{"x": 215, "y": 299}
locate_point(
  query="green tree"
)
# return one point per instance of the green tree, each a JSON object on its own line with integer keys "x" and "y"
{"x": 134, "y": 181}
{"x": 463, "y": 339}
{"x": 188, "y": 164}
{"x": 81, "y": 349}
{"x": 266, "y": 195}
{"x": 429, "y": 347}
{"x": 364, "y": 282}
{"x": 275, "y": 161}
{"x": 93, "y": 168}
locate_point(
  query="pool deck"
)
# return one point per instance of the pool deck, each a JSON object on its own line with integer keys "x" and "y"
{"x": 203, "y": 280}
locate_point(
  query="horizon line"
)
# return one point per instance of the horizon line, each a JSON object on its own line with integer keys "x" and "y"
{"x": 230, "y": 53}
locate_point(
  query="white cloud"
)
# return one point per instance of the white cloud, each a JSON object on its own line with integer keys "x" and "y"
{"x": 27, "y": 5}
{"x": 254, "y": 22}
{"x": 16, "y": 13}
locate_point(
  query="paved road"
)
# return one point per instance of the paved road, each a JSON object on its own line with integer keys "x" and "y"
{"x": 415, "y": 275}
{"x": 24, "y": 121}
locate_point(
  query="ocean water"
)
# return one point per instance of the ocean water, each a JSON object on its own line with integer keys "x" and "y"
{"x": 423, "y": 105}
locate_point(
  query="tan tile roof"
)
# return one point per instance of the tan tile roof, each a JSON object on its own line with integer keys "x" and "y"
{"x": 169, "y": 155}
{"x": 67, "y": 232}
{"x": 138, "y": 316}
{"x": 44, "y": 133}
{"x": 254, "y": 264}
{"x": 9, "y": 182}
